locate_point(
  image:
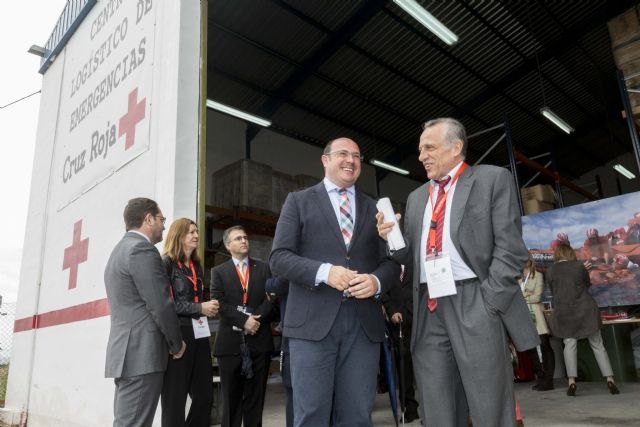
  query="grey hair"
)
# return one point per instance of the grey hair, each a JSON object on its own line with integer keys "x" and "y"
{"x": 455, "y": 131}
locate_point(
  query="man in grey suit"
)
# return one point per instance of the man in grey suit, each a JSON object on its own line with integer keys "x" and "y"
{"x": 326, "y": 245}
{"x": 144, "y": 325}
{"x": 459, "y": 342}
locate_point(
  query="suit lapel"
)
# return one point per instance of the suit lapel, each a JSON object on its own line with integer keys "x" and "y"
{"x": 326, "y": 209}
{"x": 417, "y": 215}
{"x": 459, "y": 203}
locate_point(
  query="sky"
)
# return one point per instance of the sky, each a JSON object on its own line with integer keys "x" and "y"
{"x": 22, "y": 24}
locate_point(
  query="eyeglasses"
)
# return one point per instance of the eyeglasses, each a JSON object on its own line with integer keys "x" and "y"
{"x": 240, "y": 238}
{"x": 163, "y": 219}
{"x": 343, "y": 154}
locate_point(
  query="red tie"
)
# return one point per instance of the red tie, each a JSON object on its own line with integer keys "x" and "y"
{"x": 432, "y": 303}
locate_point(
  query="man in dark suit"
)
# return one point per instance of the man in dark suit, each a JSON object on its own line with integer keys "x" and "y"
{"x": 245, "y": 315}
{"x": 327, "y": 246}
{"x": 144, "y": 325}
{"x": 459, "y": 343}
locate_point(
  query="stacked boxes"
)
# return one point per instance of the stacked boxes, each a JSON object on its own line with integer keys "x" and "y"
{"x": 624, "y": 31}
{"x": 538, "y": 198}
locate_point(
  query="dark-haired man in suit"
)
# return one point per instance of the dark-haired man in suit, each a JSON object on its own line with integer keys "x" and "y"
{"x": 326, "y": 245}
{"x": 144, "y": 325}
{"x": 245, "y": 316}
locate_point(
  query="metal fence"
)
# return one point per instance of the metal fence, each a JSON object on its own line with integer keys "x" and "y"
{"x": 7, "y": 318}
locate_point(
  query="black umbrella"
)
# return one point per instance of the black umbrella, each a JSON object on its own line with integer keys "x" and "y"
{"x": 247, "y": 365}
{"x": 400, "y": 359}
{"x": 390, "y": 374}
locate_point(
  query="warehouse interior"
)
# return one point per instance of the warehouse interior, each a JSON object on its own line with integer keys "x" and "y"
{"x": 370, "y": 71}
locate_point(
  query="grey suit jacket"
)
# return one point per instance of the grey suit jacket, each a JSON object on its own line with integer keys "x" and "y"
{"x": 144, "y": 324}
{"x": 308, "y": 235}
{"x": 487, "y": 232}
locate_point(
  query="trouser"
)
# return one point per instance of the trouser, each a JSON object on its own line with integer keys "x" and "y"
{"x": 544, "y": 371}
{"x": 571, "y": 355}
{"x": 136, "y": 399}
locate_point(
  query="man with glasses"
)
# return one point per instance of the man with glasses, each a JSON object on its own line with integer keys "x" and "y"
{"x": 327, "y": 246}
{"x": 144, "y": 326}
{"x": 244, "y": 335}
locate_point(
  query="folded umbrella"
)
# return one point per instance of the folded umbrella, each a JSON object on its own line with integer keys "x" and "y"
{"x": 247, "y": 365}
{"x": 390, "y": 374}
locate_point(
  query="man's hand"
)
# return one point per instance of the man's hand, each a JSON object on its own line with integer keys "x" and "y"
{"x": 210, "y": 308}
{"x": 251, "y": 325}
{"x": 363, "y": 286}
{"x": 340, "y": 277}
{"x": 179, "y": 354}
{"x": 384, "y": 228}
{"x": 396, "y": 318}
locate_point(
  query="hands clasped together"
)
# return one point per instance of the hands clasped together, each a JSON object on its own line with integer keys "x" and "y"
{"x": 360, "y": 286}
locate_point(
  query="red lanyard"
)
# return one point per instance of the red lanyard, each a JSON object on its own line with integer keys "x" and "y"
{"x": 193, "y": 279}
{"x": 244, "y": 281}
{"x": 435, "y": 212}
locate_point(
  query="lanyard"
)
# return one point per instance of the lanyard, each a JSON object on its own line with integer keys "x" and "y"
{"x": 244, "y": 281}
{"x": 437, "y": 209}
{"x": 193, "y": 279}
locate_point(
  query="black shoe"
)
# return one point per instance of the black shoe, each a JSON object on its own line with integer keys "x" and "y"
{"x": 544, "y": 386}
{"x": 612, "y": 388}
{"x": 571, "y": 391}
{"x": 411, "y": 416}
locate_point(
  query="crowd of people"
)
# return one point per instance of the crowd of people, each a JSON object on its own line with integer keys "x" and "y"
{"x": 452, "y": 291}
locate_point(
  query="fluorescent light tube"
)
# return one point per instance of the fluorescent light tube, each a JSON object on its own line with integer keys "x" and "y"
{"x": 623, "y": 171}
{"x": 387, "y": 166}
{"x": 238, "y": 113}
{"x": 553, "y": 118}
{"x": 428, "y": 20}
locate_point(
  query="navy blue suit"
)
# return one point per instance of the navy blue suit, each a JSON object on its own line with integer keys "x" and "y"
{"x": 334, "y": 342}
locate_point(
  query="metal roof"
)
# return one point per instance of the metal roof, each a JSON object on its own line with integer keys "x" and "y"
{"x": 367, "y": 70}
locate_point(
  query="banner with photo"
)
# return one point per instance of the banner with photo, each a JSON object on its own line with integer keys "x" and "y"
{"x": 605, "y": 235}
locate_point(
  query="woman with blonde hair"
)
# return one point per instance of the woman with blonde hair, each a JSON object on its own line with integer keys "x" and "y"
{"x": 192, "y": 374}
{"x": 532, "y": 285}
{"x": 576, "y": 315}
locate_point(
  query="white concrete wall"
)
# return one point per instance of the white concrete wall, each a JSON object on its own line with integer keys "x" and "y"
{"x": 57, "y": 372}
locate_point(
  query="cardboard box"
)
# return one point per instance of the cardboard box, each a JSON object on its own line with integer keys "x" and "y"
{"x": 542, "y": 193}
{"x": 534, "y": 206}
{"x": 243, "y": 183}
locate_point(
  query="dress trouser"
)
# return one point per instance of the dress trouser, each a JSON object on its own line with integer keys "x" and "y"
{"x": 544, "y": 371}
{"x": 462, "y": 362}
{"x": 571, "y": 355}
{"x": 243, "y": 399}
{"x": 191, "y": 375}
{"x": 136, "y": 399}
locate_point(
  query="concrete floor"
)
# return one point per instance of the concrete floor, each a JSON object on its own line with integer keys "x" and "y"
{"x": 593, "y": 406}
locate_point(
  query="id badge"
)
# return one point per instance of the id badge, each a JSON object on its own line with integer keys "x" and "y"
{"x": 241, "y": 309}
{"x": 201, "y": 327}
{"x": 439, "y": 275}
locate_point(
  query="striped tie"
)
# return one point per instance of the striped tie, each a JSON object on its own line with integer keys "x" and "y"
{"x": 346, "y": 219}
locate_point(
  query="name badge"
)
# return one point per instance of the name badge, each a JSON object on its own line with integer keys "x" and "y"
{"x": 201, "y": 327}
{"x": 241, "y": 309}
{"x": 439, "y": 275}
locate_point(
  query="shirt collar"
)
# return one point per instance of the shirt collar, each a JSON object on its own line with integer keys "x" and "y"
{"x": 451, "y": 173}
{"x": 330, "y": 186}
{"x": 237, "y": 262}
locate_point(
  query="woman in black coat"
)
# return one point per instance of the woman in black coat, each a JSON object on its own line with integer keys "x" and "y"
{"x": 576, "y": 314}
{"x": 192, "y": 374}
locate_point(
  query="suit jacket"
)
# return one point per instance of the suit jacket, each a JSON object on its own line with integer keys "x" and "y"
{"x": 227, "y": 289}
{"x": 486, "y": 229}
{"x": 144, "y": 324}
{"x": 308, "y": 235}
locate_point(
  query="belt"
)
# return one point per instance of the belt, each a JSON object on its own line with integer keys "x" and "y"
{"x": 461, "y": 282}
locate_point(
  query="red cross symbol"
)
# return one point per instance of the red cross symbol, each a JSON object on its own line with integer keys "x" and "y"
{"x": 75, "y": 254}
{"x": 135, "y": 113}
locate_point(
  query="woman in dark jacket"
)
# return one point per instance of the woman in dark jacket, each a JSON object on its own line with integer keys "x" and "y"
{"x": 576, "y": 315}
{"x": 192, "y": 374}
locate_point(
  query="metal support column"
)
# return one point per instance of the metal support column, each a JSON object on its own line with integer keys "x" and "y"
{"x": 512, "y": 161}
{"x": 633, "y": 131}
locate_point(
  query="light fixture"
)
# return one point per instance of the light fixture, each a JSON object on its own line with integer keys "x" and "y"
{"x": 238, "y": 113}
{"x": 623, "y": 171}
{"x": 387, "y": 166}
{"x": 37, "y": 50}
{"x": 428, "y": 20}
{"x": 553, "y": 118}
